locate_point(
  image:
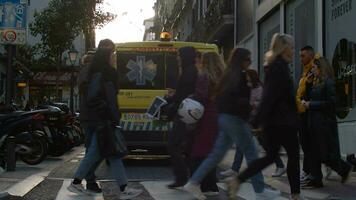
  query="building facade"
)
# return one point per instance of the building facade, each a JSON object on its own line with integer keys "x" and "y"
{"x": 150, "y": 34}
{"x": 326, "y": 25}
{"x": 209, "y": 21}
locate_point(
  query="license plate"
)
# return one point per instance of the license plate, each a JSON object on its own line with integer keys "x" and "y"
{"x": 135, "y": 117}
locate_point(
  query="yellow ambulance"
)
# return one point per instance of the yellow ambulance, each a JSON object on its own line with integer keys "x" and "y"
{"x": 146, "y": 70}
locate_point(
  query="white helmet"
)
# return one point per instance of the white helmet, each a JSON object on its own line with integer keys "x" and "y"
{"x": 190, "y": 111}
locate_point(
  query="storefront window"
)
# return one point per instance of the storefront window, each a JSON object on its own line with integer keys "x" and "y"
{"x": 301, "y": 23}
{"x": 244, "y": 25}
{"x": 267, "y": 29}
{"x": 340, "y": 43}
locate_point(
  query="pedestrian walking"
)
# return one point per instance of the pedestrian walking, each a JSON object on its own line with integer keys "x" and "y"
{"x": 178, "y": 136}
{"x": 277, "y": 116}
{"x": 322, "y": 124}
{"x": 103, "y": 109}
{"x": 307, "y": 55}
{"x": 233, "y": 101}
{"x": 204, "y": 135}
{"x": 84, "y": 117}
{"x": 256, "y": 96}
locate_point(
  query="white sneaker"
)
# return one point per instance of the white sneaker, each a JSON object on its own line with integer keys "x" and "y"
{"x": 279, "y": 172}
{"x": 268, "y": 194}
{"x": 130, "y": 193}
{"x": 78, "y": 189}
{"x": 194, "y": 190}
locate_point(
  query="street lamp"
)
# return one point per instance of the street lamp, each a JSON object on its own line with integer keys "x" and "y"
{"x": 73, "y": 55}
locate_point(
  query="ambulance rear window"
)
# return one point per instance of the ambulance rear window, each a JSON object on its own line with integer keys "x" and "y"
{"x": 146, "y": 70}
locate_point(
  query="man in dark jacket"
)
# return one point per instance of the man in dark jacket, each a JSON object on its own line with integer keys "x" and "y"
{"x": 178, "y": 136}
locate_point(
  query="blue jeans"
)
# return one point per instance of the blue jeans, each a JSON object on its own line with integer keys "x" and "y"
{"x": 231, "y": 129}
{"x": 92, "y": 156}
{"x": 90, "y": 177}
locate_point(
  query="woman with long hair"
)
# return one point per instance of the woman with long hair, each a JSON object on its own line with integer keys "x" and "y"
{"x": 209, "y": 73}
{"x": 103, "y": 109}
{"x": 277, "y": 116}
{"x": 233, "y": 101}
{"x": 322, "y": 123}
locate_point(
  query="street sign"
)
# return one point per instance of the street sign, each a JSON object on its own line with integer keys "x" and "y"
{"x": 13, "y": 21}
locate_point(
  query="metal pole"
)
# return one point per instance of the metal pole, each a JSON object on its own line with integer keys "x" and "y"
{"x": 72, "y": 90}
{"x": 10, "y": 154}
{"x": 9, "y": 74}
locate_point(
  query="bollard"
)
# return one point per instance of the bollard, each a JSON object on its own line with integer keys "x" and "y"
{"x": 10, "y": 154}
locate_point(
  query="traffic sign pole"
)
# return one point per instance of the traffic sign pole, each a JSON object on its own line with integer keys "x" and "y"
{"x": 10, "y": 74}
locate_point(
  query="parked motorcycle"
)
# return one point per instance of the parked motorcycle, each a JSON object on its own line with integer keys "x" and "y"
{"x": 31, "y": 145}
{"x": 60, "y": 130}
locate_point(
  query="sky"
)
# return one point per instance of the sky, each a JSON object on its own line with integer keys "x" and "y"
{"x": 128, "y": 25}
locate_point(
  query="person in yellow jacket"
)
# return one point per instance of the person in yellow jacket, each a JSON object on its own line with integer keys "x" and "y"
{"x": 307, "y": 55}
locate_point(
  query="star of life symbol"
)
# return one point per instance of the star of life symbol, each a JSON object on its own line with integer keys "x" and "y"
{"x": 141, "y": 70}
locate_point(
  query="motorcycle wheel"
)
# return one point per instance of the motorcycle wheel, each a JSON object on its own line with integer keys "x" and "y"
{"x": 40, "y": 150}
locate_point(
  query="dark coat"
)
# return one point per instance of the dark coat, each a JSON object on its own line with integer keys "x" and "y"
{"x": 321, "y": 119}
{"x": 102, "y": 100}
{"x": 235, "y": 100}
{"x": 278, "y": 106}
{"x": 186, "y": 81}
{"x": 83, "y": 81}
{"x": 207, "y": 128}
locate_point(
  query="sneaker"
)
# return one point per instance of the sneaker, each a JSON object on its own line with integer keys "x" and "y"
{"x": 346, "y": 177}
{"x": 130, "y": 193}
{"x": 279, "y": 172}
{"x": 94, "y": 187}
{"x": 304, "y": 175}
{"x": 312, "y": 184}
{"x": 306, "y": 178}
{"x": 268, "y": 194}
{"x": 228, "y": 172}
{"x": 194, "y": 190}
{"x": 233, "y": 186}
{"x": 78, "y": 189}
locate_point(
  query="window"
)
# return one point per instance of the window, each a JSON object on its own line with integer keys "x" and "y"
{"x": 245, "y": 13}
{"x": 301, "y": 23}
{"x": 147, "y": 70}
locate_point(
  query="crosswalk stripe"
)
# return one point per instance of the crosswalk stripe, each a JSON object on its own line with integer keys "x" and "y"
{"x": 64, "y": 194}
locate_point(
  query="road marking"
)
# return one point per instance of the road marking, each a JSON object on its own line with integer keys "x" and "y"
{"x": 158, "y": 190}
{"x": 23, "y": 187}
{"x": 64, "y": 194}
{"x": 246, "y": 191}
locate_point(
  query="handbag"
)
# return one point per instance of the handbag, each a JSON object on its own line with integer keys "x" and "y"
{"x": 111, "y": 141}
